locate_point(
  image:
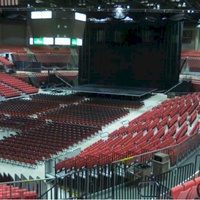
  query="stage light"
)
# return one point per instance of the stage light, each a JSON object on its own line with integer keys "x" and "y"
{"x": 119, "y": 12}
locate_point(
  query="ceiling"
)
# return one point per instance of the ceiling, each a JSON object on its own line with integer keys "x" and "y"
{"x": 189, "y": 8}
{"x": 149, "y": 5}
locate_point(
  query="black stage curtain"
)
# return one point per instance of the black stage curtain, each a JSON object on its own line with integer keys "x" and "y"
{"x": 131, "y": 54}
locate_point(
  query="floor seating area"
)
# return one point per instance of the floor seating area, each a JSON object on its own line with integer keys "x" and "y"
{"x": 17, "y": 84}
{"x": 167, "y": 124}
{"x": 32, "y": 146}
{"x": 114, "y": 103}
{"x": 19, "y": 123}
{"x": 46, "y": 124}
{"x": 24, "y": 107}
{"x": 84, "y": 114}
{"x": 187, "y": 190}
{"x": 61, "y": 99}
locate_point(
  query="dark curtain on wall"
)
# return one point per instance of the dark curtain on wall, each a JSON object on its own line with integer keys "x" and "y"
{"x": 131, "y": 54}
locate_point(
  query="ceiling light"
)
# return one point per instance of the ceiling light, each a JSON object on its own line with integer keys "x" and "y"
{"x": 184, "y": 4}
{"x": 119, "y": 12}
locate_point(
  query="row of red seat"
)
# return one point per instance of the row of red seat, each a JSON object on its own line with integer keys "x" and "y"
{"x": 18, "y": 84}
{"x": 22, "y": 76}
{"x": 12, "y": 192}
{"x": 187, "y": 190}
{"x": 7, "y": 91}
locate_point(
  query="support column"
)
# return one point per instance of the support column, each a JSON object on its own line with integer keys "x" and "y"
{"x": 196, "y": 41}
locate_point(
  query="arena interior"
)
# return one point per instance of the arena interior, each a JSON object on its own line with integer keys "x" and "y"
{"x": 99, "y": 99}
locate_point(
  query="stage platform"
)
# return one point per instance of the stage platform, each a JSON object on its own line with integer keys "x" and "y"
{"x": 111, "y": 90}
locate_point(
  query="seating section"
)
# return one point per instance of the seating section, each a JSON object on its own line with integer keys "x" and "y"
{"x": 117, "y": 103}
{"x": 20, "y": 57}
{"x": 61, "y": 99}
{"x": 189, "y": 52}
{"x": 187, "y": 190}
{"x": 82, "y": 114}
{"x": 30, "y": 147}
{"x": 12, "y": 192}
{"x": 193, "y": 64}
{"x": 52, "y": 59}
{"x": 41, "y": 77}
{"x": 10, "y": 48}
{"x": 22, "y": 76}
{"x": 192, "y": 59}
{"x": 25, "y": 107}
{"x": 7, "y": 91}
{"x": 19, "y": 123}
{"x": 68, "y": 76}
{"x": 49, "y": 49}
{"x": 165, "y": 125}
{"x": 17, "y": 84}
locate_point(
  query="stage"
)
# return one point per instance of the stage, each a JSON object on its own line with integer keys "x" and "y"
{"x": 112, "y": 90}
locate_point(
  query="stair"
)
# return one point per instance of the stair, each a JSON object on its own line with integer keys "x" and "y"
{"x": 33, "y": 80}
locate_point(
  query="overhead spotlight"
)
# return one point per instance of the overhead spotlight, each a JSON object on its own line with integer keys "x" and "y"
{"x": 119, "y": 12}
{"x": 108, "y": 2}
{"x": 99, "y": 8}
{"x": 179, "y": 5}
{"x": 184, "y": 4}
{"x": 128, "y": 7}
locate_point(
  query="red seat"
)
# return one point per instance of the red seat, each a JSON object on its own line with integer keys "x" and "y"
{"x": 192, "y": 194}
{"x": 188, "y": 184}
{"x": 197, "y": 180}
{"x": 175, "y": 191}
{"x": 183, "y": 194}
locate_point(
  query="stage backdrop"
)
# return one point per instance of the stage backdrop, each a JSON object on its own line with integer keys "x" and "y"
{"x": 143, "y": 54}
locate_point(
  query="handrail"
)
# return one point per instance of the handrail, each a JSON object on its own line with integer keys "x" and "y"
{"x": 63, "y": 80}
{"x": 26, "y": 181}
